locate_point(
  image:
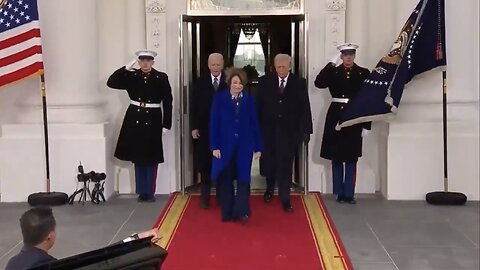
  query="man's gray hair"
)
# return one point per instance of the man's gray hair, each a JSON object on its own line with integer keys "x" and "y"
{"x": 283, "y": 57}
{"x": 215, "y": 56}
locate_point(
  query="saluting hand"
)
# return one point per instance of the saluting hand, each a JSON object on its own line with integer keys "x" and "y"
{"x": 130, "y": 64}
{"x": 195, "y": 134}
{"x": 216, "y": 153}
{"x": 257, "y": 155}
{"x": 336, "y": 59}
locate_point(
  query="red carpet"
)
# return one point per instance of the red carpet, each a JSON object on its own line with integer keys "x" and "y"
{"x": 272, "y": 239}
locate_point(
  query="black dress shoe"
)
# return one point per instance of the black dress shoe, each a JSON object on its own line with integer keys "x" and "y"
{"x": 227, "y": 219}
{"x": 244, "y": 219}
{"x": 340, "y": 199}
{"x": 267, "y": 197}
{"x": 351, "y": 201}
{"x": 150, "y": 199}
{"x": 142, "y": 198}
{"x": 287, "y": 207}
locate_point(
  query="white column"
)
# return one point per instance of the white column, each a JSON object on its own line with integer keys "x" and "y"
{"x": 156, "y": 31}
{"x": 77, "y": 127}
{"x": 69, "y": 45}
{"x": 135, "y": 28}
{"x": 334, "y": 26}
{"x": 319, "y": 99}
{"x": 357, "y": 28}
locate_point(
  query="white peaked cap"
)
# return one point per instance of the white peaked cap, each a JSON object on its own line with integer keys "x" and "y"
{"x": 146, "y": 53}
{"x": 347, "y": 46}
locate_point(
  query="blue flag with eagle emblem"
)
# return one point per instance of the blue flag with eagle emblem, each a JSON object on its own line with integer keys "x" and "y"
{"x": 420, "y": 47}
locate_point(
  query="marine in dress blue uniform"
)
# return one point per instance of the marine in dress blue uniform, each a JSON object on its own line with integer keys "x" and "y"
{"x": 234, "y": 139}
{"x": 343, "y": 147}
{"x": 140, "y": 139}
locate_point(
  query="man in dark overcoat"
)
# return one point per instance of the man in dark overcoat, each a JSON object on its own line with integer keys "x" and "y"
{"x": 140, "y": 139}
{"x": 343, "y": 147}
{"x": 285, "y": 122}
{"x": 204, "y": 89}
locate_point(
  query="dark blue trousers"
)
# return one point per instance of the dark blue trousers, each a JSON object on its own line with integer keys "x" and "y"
{"x": 344, "y": 177}
{"x": 233, "y": 205}
{"x": 146, "y": 180}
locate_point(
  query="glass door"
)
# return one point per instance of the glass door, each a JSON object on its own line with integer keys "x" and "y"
{"x": 299, "y": 30}
{"x": 188, "y": 70}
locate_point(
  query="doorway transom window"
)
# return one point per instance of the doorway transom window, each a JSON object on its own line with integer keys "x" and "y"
{"x": 249, "y": 51}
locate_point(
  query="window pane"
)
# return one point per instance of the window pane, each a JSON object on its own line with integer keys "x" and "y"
{"x": 250, "y": 52}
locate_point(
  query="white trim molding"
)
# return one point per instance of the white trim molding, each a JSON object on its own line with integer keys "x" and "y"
{"x": 155, "y": 6}
{"x": 156, "y": 28}
{"x": 334, "y": 26}
{"x": 336, "y": 5}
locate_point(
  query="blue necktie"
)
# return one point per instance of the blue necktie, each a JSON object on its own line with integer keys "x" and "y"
{"x": 215, "y": 83}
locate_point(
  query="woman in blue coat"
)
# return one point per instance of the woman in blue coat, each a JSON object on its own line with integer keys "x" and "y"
{"x": 234, "y": 140}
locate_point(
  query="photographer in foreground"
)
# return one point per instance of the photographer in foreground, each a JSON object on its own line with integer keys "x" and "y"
{"x": 39, "y": 234}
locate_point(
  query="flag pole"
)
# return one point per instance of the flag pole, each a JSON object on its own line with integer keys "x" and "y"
{"x": 445, "y": 197}
{"x": 444, "y": 120}
{"x": 45, "y": 130}
{"x": 48, "y": 197}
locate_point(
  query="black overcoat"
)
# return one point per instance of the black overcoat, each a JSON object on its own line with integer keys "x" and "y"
{"x": 201, "y": 104}
{"x": 140, "y": 139}
{"x": 284, "y": 118}
{"x": 346, "y": 144}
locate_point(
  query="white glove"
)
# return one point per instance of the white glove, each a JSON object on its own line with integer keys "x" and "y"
{"x": 365, "y": 132}
{"x": 336, "y": 59}
{"x": 130, "y": 65}
{"x": 165, "y": 131}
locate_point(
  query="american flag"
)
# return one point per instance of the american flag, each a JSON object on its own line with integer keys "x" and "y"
{"x": 20, "y": 45}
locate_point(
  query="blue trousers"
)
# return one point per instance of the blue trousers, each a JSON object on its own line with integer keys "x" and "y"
{"x": 233, "y": 205}
{"x": 344, "y": 178}
{"x": 146, "y": 179}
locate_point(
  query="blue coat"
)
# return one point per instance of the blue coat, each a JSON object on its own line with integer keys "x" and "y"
{"x": 229, "y": 130}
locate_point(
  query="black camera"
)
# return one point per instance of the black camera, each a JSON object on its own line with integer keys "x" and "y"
{"x": 91, "y": 176}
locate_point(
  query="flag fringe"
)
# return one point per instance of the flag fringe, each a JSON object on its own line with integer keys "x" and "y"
{"x": 371, "y": 118}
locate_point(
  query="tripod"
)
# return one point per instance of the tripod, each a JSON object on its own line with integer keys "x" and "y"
{"x": 97, "y": 192}
{"x": 83, "y": 193}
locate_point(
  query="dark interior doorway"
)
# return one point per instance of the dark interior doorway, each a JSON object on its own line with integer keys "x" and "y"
{"x": 248, "y": 42}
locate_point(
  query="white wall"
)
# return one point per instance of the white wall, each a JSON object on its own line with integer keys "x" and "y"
{"x": 402, "y": 159}
{"x": 415, "y": 156}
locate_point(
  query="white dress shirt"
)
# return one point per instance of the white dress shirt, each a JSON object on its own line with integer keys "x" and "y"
{"x": 284, "y": 79}
{"x": 218, "y": 78}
